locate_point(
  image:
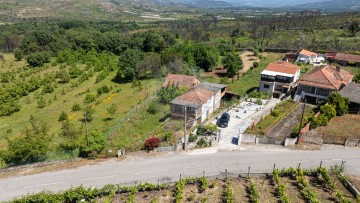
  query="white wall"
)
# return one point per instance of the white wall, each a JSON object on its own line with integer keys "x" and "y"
{"x": 270, "y": 89}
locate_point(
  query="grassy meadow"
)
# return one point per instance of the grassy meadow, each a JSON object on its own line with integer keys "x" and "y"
{"x": 125, "y": 96}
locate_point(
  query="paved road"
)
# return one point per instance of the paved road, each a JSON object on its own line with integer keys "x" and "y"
{"x": 169, "y": 167}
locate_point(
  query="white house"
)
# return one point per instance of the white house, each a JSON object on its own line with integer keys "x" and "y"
{"x": 279, "y": 78}
{"x": 306, "y": 56}
{"x": 198, "y": 103}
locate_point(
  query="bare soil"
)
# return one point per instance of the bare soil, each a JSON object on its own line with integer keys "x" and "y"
{"x": 248, "y": 59}
{"x": 239, "y": 190}
{"x": 293, "y": 189}
{"x": 266, "y": 189}
{"x": 325, "y": 194}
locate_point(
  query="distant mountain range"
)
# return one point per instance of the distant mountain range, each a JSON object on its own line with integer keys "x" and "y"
{"x": 333, "y": 5}
{"x": 328, "y": 5}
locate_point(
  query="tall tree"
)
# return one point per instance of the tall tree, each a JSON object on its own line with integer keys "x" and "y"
{"x": 127, "y": 64}
{"x": 233, "y": 63}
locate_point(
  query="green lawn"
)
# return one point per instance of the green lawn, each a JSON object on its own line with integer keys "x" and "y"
{"x": 270, "y": 120}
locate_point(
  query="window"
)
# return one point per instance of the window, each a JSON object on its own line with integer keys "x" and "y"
{"x": 266, "y": 86}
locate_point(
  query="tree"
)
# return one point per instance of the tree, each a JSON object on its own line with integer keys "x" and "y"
{"x": 233, "y": 63}
{"x": 30, "y": 147}
{"x": 354, "y": 28}
{"x": 38, "y": 59}
{"x": 75, "y": 107}
{"x": 127, "y": 64}
{"x": 151, "y": 143}
{"x": 89, "y": 113}
{"x": 328, "y": 110}
{"x": 97, "y": 142}
{"x": 341, "y": 103}
{"x": 18, "y": 54}
{"x": 149, "y": 67}
{"x": 63, "y": 76}
{"x": 167, "y": 94}
{"x": 90, "y": 98}
{"x": 153, "y": 42}
{"x": 205, "y": 57}
{"x": 71, "y": 135}
{"x": 63, "y": 117}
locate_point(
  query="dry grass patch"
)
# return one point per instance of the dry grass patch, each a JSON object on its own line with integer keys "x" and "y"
{"x": 340, "y": 128}
{"x": 266, "y": 189}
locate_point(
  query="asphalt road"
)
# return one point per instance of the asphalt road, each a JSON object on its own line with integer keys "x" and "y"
{"x": 170, "y": 167}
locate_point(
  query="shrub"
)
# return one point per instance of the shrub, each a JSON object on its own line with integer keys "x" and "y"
{"x": 227, "y": 194}
{"x": 203, "y": 185}
{"x": 192, "y": 137}
{"x": 90, "y": 98}
{"x": 18, "y": 54}
{"x": 48, "y": 88}
{"x": 328, "y": 110}
{"x": 255, "y": 64}
{"x": 200, "y": 130}
{"x": 103, "y": 90}
{"x": 202, "y": 143}
{"x": 153, "y": 108}
{"x": 75, "y": 107}
{"x": 321, "y": 120}
{"x": 97, "y": 141}
{"x": 41, "y": 102}
{"x": 152, "y": 143}
{"x": 211, "y": 127}
{"x": 112, "y": 109}
{"x": 254, "y": 194}
{"x": 178, "y": 191}
{"x": 275, "y": 113}
{"x": 341, "y": 103}
{"x": 63, "y": 117}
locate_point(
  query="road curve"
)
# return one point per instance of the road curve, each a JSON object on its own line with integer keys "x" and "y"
{"x": 169, "y": 168}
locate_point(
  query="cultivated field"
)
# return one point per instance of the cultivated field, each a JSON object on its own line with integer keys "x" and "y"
{"x": 125, "y": 96}
{"x": 286, "y": 185}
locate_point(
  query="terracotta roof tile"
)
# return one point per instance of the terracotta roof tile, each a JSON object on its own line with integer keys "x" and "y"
{"x": 181, "y": 81}
{"x": 307, "y": 53}
{"x": 326, "y": 77}
{"x": 194, "y": 98}
{"x": 283, "y": 67}
{"x": 347, "y": 57}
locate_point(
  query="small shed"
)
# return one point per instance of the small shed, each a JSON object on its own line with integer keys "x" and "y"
{"x": 352, "y": 92}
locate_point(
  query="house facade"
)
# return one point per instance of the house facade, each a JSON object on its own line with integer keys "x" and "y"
{"x": 198, "y": 103}
{"x": 306, "y": 56}
{"x": 279, "y": 78}
{"x": 320, "y": 82}
{"x": 181, "y": 81}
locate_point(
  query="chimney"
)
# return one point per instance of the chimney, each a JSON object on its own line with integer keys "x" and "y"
{"x": 338, "y": 69}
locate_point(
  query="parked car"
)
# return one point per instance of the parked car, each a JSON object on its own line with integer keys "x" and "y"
{"x": 223, "y": 121}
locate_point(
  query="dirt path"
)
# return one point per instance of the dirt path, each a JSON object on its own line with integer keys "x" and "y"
{"x": 248, "y": 59}
{"x": 285, "y": 127}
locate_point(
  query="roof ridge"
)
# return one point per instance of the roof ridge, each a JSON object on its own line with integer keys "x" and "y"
{"x": 326, "y": 75}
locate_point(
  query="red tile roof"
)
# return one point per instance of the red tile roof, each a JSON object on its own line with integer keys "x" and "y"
{"x": 347, "y": 57}
{"x": 331, "y": 55}
{"x": 181, "y": 81}
{"x": 194, "y": 98}
{"x": 326, "y": 77}
{"x": 283, "y": 67}
{"x": 307, "y": 53}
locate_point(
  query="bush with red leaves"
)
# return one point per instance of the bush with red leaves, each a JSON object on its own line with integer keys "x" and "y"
{"x": 151, "y": 143}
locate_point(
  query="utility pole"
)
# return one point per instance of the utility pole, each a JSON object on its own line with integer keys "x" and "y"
{"x": 184, "y": 128}
{"x": 86, "y": 127}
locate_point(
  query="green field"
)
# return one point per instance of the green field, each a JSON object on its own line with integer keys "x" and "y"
{"x": 125, "y": 96}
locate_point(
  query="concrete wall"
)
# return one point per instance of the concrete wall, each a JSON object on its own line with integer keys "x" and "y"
{"x": 270, "y": 89}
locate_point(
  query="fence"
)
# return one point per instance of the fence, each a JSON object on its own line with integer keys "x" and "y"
{"x": 234, "y": 170}
{"x": 130, "y": 114}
